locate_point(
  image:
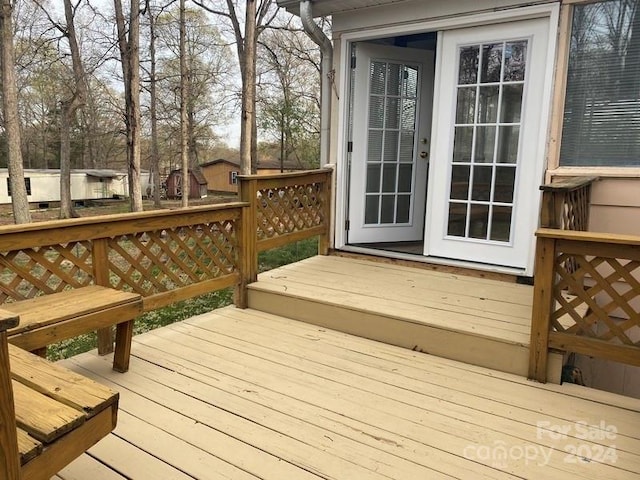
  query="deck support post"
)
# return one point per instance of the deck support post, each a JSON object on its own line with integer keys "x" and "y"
{"x": 247, "y": 239}
{"x": 542, "y": 307}
{"x": 9, "y": 453}
{"x": 325, "y": 238}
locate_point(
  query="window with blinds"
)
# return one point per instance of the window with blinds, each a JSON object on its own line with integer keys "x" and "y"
{"x": 602, "y": 107}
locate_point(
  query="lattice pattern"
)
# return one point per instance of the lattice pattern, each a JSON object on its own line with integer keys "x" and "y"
{"x": 159, "y": 261}
{"x": 607, "y": 287}
{"x": 290, "y": 209}
{"x": 35, "y": 271}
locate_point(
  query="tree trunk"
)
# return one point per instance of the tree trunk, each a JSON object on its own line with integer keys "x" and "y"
{"x": 155, "y": 155}
{"x": 130, "y": 59}
{"x": 19, "y": 200}
{"x": 184, "y": 145}
{"x": 248, "y": 90}
{"x": 69, "y": 108}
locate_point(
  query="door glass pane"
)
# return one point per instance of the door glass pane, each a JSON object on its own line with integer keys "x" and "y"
{"x": 388, "y": 209}
{"x": 395, "y": 82}
{"x": 460, "y": 182}
{"x": 410, "y": 84}
{"x": 508, "y": 144}
{"x": 478, "y": 221}
{"x": 374, "y": 152}
{"x": 406, "y": 146}
{"x": 486, "y": 139}
{"x": 408, "y": 114}
{"x": 485, "y": 144}
{"x": 391, "y": 146}
{"x": 393, "y": 113}
{"x": 482, "y": 183}
{"x": 501, "y": 224}
{"x": 468, "y": 66}
{"x": 515, "y": 60}
{"x": 403, "y": 208}
{"x": 462, "y": 144}
{"x": 376, "y": 112}
{"x": 457, "y": 219}
{"x": 491, "y": 63}
{"x": 389, "y": 178}
{"x": 511, "y": 103}
{"x": 371, "y": 209}
{"x": 378, "y": 77}
{"x": 405, "y": 175}
{"x": 373, "y": 178}
{"x": 466, "y": 108}
{"x": 505, "y": 184}
{"x": 488, "y": 104}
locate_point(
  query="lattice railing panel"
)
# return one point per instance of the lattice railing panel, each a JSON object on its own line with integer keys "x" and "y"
{"x": 163, "y": 260}
{"x": 30, "y": 272}
{"x": 607, "y": 289}
{"x": 575, "y": 210}
{"x": 290, "y": 209}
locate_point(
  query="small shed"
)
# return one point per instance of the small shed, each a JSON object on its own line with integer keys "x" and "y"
{"x": 221, "y": 175}
{"x": 197, "y": 184}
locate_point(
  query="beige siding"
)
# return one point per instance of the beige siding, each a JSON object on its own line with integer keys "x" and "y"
{"x": 615, "y": 206}
{"x": 218, "y": 176}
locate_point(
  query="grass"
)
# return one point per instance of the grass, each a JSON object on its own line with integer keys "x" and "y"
{"x": 188, "y": 308}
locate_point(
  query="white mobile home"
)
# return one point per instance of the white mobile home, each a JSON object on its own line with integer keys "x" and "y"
{"x": 43, "y": 186}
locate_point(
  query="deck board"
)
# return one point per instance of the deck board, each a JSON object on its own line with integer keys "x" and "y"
{"x": 479, "y": 321}
{"x": 244, "y": 394}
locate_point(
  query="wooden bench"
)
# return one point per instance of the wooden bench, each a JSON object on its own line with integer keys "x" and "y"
{"x": 50, "y": 318}
{"x": 48, "y": 415}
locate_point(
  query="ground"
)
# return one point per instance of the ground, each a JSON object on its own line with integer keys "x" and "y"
{"x": 106, "y": 207}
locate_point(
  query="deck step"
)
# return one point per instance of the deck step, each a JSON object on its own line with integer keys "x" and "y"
{"x": 473, "y": 320}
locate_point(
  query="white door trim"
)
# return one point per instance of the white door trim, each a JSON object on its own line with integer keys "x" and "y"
{"x": 339, "y": 150}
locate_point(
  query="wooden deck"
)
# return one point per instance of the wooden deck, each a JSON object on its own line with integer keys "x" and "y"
{"x": 479, "y": 321}
{"x": 241, "y": 394}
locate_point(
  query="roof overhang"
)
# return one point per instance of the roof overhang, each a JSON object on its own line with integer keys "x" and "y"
{"x": 323, "y": 8}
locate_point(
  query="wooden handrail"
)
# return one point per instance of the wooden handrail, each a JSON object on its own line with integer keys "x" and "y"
{"x": 602, "y": 273}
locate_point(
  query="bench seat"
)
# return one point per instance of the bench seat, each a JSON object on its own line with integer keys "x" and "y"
{"x": 59, "y": 414}
{"x": 50, "y": 318}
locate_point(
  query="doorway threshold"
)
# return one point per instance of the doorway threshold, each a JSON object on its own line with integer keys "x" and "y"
{"x": 411, "y": 252}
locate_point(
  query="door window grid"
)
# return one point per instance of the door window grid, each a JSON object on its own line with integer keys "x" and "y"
{"x": 487, "y": 128}
{"x": 393, "y": 100}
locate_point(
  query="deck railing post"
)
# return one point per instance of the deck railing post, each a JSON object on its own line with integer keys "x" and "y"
{"x": 100, "y": 262}
{"x": 247, "y": 236}
{"x": 542, "y": 307}
{"x": 9, "y": 453}
{"x": 324, "y": 240}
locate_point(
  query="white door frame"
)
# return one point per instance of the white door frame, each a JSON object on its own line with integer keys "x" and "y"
{"x": 339, "y": 151}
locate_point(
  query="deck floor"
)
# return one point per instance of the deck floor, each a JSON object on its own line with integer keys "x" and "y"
{"x": 241, "y": 394}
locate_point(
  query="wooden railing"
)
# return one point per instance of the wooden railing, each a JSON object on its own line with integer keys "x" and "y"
{"x": 286, "y": 208}
{"x": 166, "y": 255}
{"x": 565, "y": 203}
{"x": 601, "y": 317}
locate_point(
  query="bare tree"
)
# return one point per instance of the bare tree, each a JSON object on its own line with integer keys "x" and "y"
{"x": 153, "y": 106}
{"x": 129, "y": 45}
{"x": 184, "y": 145}
{"x": 258, "y": 15}
{"x": 19, "y": 199}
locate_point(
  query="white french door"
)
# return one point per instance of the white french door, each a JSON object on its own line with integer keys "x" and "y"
{"x": 488, "y": 142}
{"x": 392, "y": 103}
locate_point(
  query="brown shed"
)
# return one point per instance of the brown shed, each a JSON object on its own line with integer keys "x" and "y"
{"x": 221, "y": 175}
{"x": 197, "y": 184}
